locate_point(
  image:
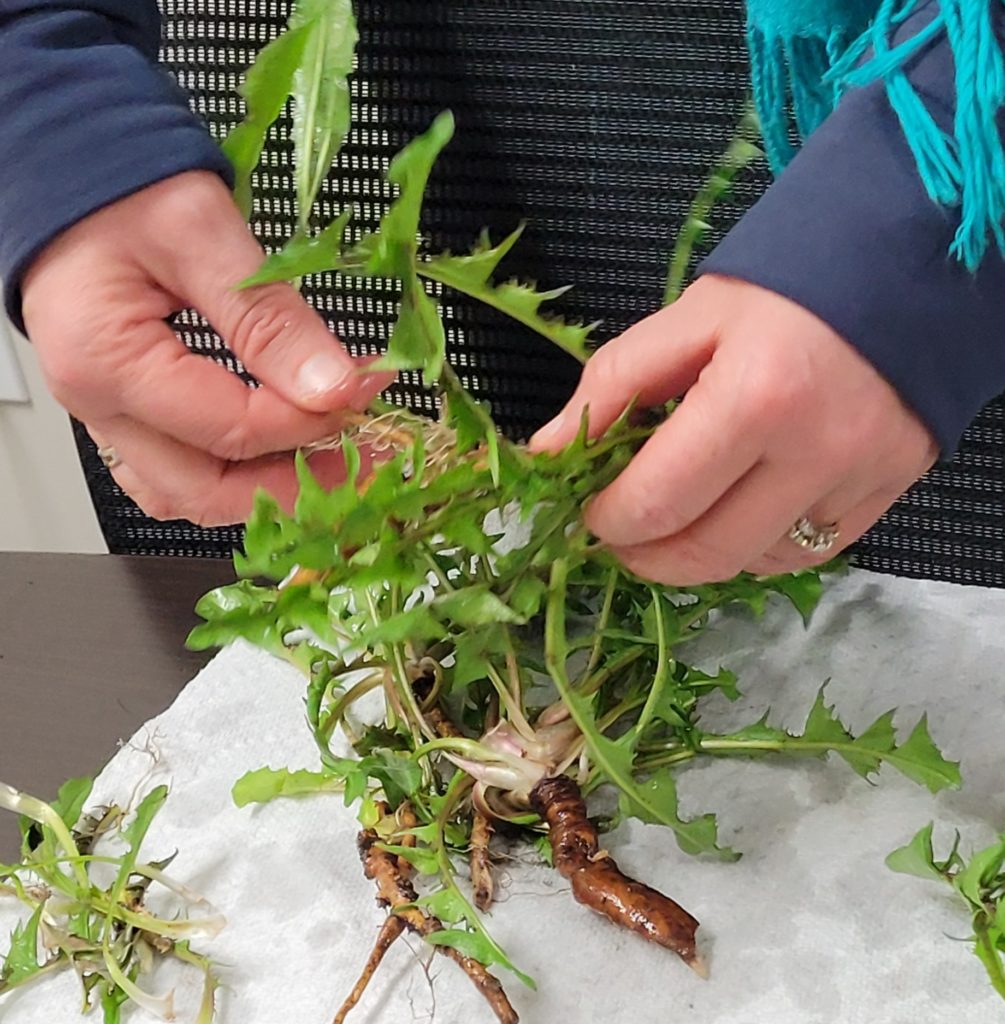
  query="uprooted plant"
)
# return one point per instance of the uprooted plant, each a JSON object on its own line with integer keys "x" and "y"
{"x": 980, "y": 884}
{"x": 512, "y": 677}
{"x": 516, "y": 666}
{"x": 476, "y": 662}
{"x": 85, "y": 898}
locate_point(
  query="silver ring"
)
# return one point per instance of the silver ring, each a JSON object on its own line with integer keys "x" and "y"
{"x": 817, "y": 539}
{"x": 109, "y": 457}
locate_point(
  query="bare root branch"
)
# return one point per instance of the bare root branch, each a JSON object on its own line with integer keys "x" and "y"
{"x": 481, "y": 826}
{"x": 487, "y": 984}
{"x": 396, "y": 892}
{"x": 389, "y": 932}
{"x": 481, "y": 862}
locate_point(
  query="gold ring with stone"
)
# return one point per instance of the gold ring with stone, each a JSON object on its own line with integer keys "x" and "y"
{"x": 811, "y": 537}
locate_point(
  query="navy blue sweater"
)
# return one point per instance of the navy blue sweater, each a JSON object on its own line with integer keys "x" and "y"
{"x": 87, "y": 117}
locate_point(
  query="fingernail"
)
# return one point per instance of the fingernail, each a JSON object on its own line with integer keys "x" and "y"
{"x": 323, "y": 373}
{"x": 549, "y": 432}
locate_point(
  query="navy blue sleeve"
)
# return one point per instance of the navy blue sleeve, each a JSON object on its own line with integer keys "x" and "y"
{"x": 86, "y": 117}
{"x": 848, "y": 232}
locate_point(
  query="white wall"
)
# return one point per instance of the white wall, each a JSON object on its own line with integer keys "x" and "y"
{"x": 44, "y": 504}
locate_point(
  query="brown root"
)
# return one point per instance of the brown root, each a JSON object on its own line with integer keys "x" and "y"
{"x": 481, "y": 862}
{"x": 396, "y": 892}
{"x": 441, "y": 724}
{"x": 392, "y": 927}
{"x": 598, "y": 882}
{"x": 481, "y": 828}
{"x": 487, "y": 984}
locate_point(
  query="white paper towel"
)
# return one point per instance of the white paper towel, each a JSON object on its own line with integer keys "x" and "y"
{"x": 808, "y": 928}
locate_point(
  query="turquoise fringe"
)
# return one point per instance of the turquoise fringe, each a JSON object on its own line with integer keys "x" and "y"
{"x": 806, "y": 53}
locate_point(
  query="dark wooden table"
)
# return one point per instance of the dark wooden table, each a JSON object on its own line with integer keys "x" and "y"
{"x": 91, "y": 646}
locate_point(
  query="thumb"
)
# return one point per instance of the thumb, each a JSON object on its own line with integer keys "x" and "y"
{"x": 655, "y": 360}
{"x": 278, "y": 337}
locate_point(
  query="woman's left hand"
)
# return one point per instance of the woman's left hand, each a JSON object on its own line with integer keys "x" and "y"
{"x": 782, "y": 420}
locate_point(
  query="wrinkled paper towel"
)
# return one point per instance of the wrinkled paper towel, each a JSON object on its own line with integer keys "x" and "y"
{"x": 809, "y": 927}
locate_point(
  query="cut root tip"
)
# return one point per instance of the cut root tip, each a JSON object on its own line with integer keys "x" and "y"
{"x": 699, "y": 965}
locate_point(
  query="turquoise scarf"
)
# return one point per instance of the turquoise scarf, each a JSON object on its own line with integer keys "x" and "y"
{"x": 805, "y": 53}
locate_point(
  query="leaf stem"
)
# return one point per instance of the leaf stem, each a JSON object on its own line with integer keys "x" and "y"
{"x": 180, "y": 929}
{"x": 590, "y": 686}
{"x": 457, "y": 788}
{"x": 602, "y": 619}
{"x": 674, "y": 752}
{"x": 988, "y": 954}
{"x": 434, "y": 566}
{"x": 741, "y": 152}
{"x": 211, "y": 983}
{"x": 663, "y": 668}
{"x": 330, "y": 721}
{"x": 44, "y": 815}
{"x": 56, "y": 963}
{"x": 511, "y": 702}
{"x": 417, "y": 724}
{"x": 606, "y": 753}
{"x": 472, "y": 750}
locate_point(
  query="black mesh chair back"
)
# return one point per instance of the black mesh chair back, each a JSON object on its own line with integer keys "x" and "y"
{"x": 594, "y": 120}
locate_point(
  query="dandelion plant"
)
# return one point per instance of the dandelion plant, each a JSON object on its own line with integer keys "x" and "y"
{"x": 476, "y": 665}
{"x": 516, "y": 666}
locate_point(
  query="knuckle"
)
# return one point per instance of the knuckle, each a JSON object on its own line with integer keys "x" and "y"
{"x": 776, "y": 376}
{"x": 775, "y": 394}
{"x": 649, "y": 512}
{"x": 195, "y": 510}
{"x": 192, "y": 198}
{"x": 812, "y": 560}
{"x": 606, "y": 371}
{"x": 92, "y": 363}
{"x": 70, "y": 379}
{"x": 211, "y": 504}
{"x": 237, "y": 444}
{"x": 917, "y": 450}
{"x": 721, "y": 572}
{"x": 74, "y": 379}
{"x": 800, "y": 559}
{"x": 655, "y": 515}
{"x": 156, "y": 506}
{"x": 683, "y": 564}
{"x": 850, "y": 442}
{"x": 865, "y": 431}
{"x": 200, "y": 516}
{"x": 261, "y": 325}
{"x": 642, "y": 564}
{"x": 700, "y": 562}
{"x": 928, "y": 453}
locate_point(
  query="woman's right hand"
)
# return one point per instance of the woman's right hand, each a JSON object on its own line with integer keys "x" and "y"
{"x": 185, "y": 437}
